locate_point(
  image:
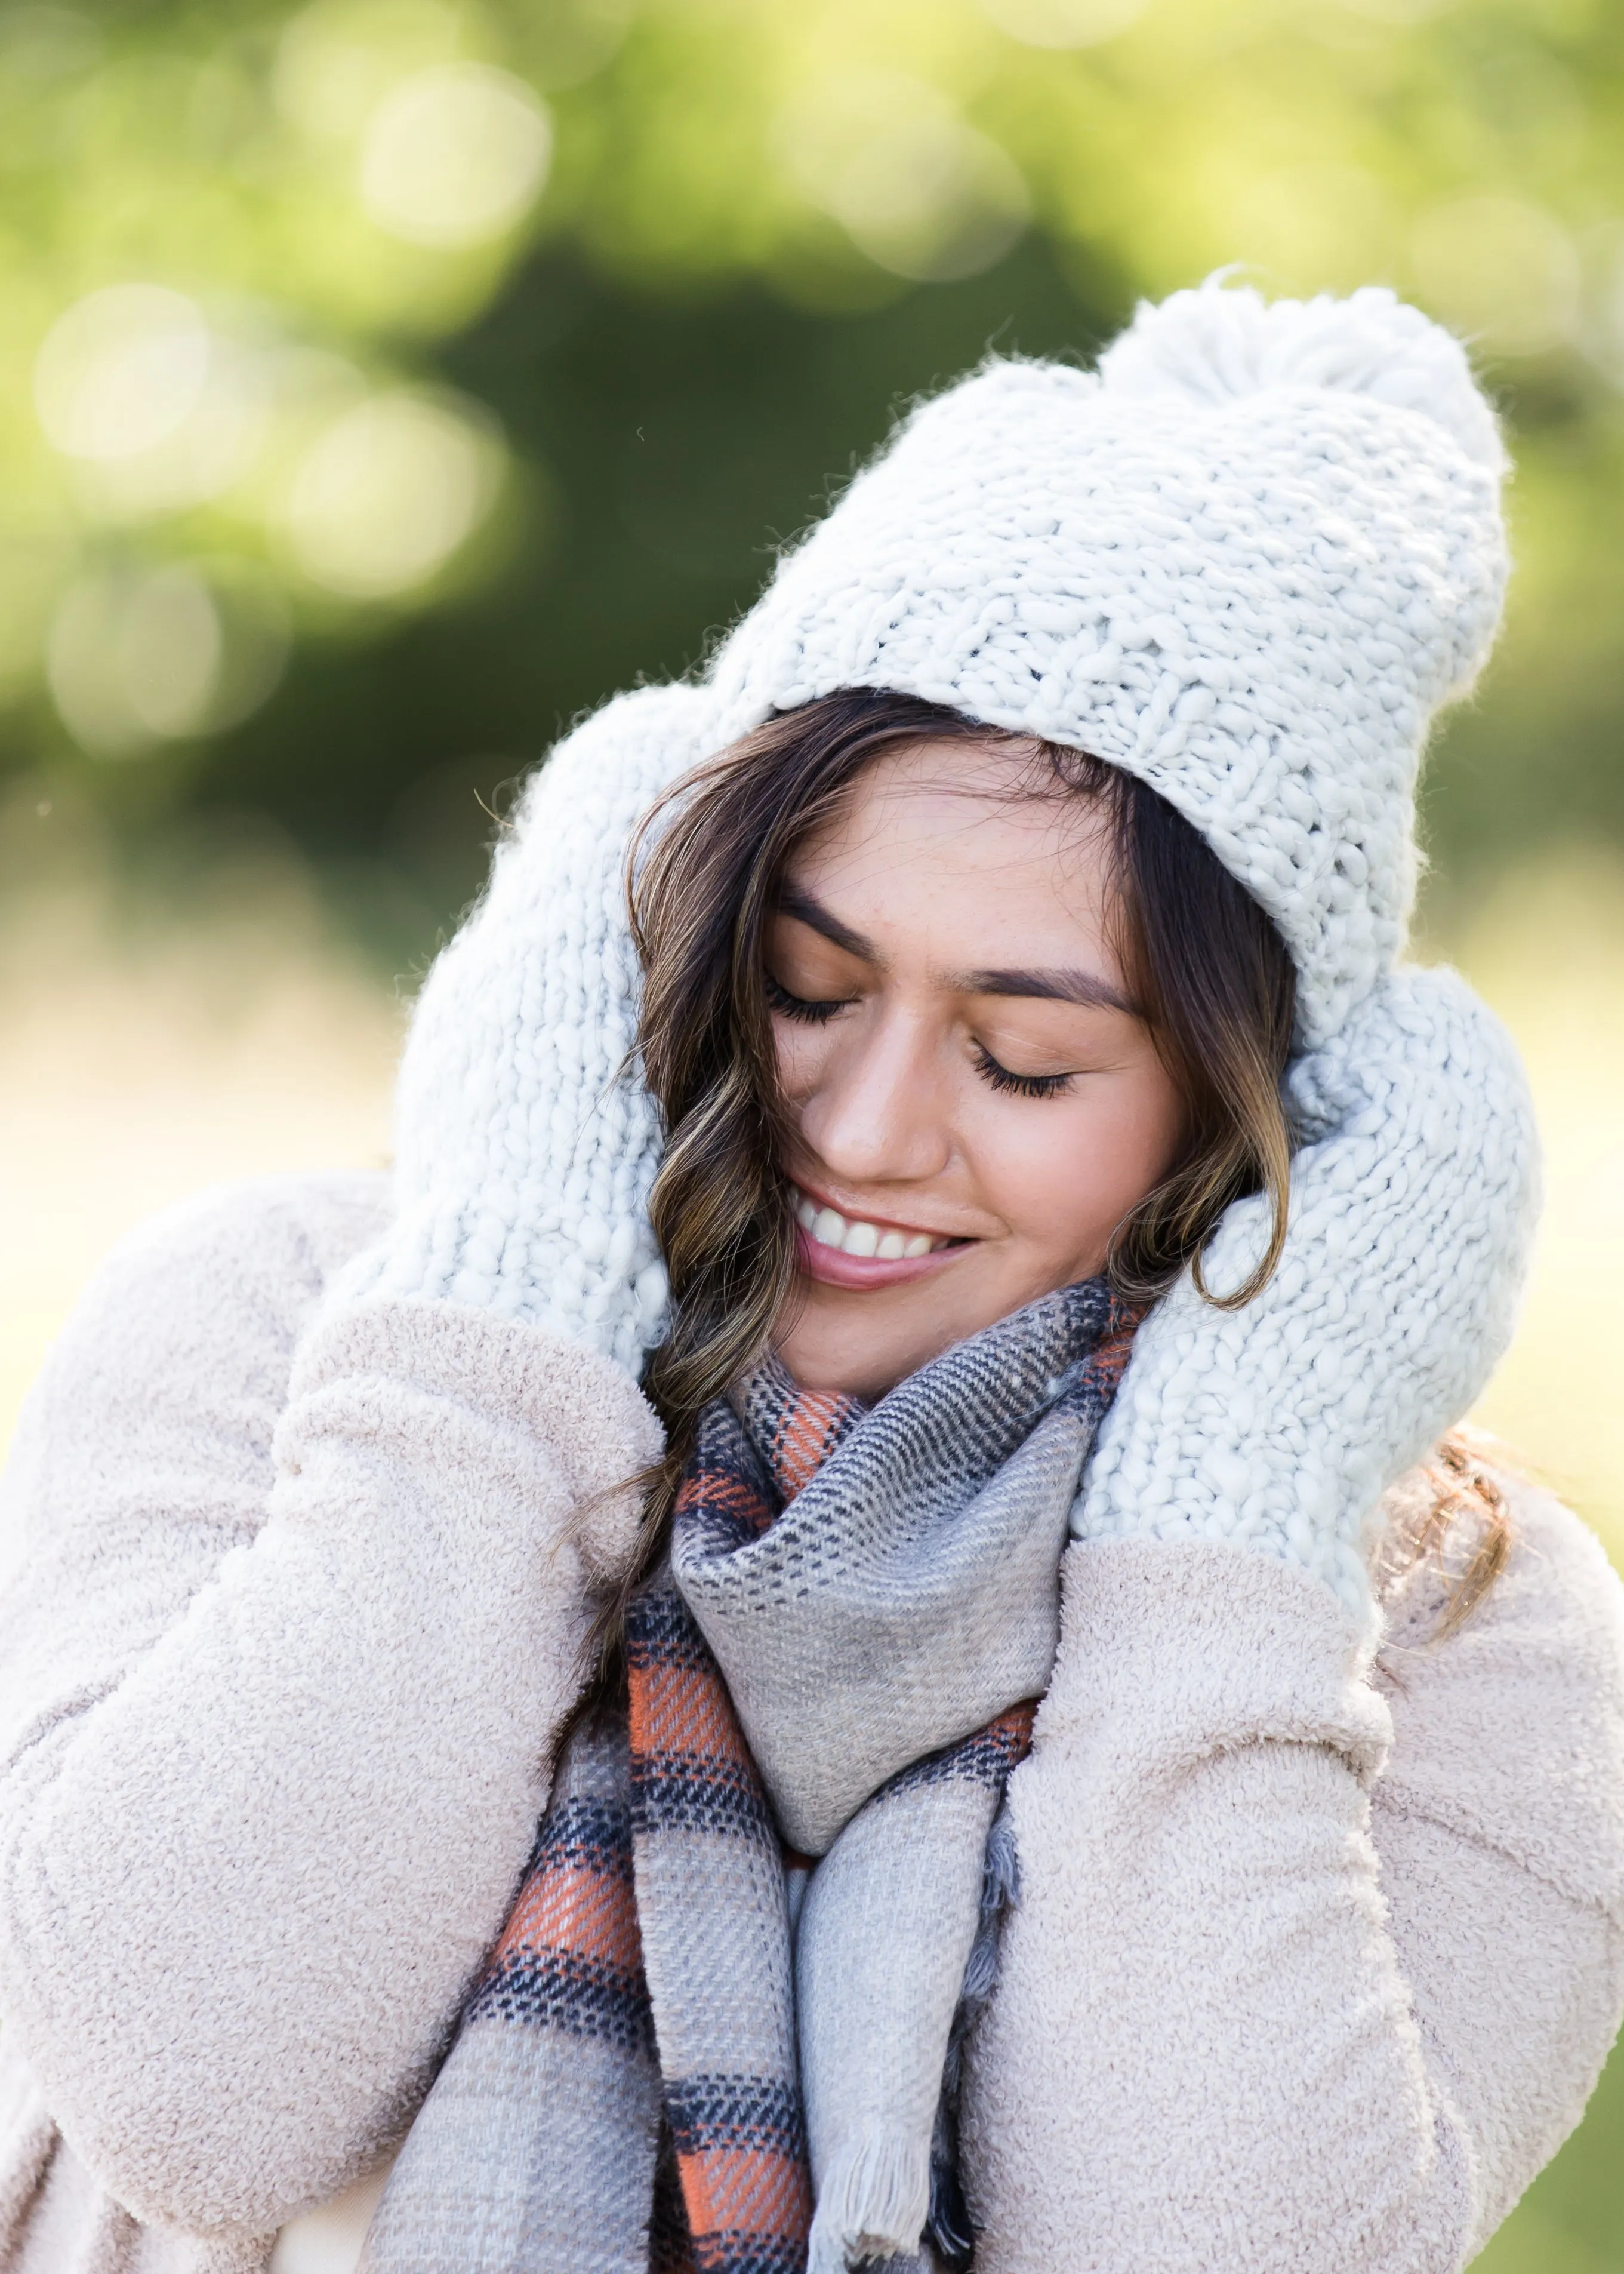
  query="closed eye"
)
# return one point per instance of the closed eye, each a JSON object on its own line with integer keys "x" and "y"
{"x": 1018, "y": 1085}
{"x": 797, "y": 1006}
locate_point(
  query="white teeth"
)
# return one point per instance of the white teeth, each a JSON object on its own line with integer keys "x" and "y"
{"x": 855, "y": 1236}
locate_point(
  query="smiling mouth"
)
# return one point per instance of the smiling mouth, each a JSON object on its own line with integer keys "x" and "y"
{"x": 857, "y": 1236}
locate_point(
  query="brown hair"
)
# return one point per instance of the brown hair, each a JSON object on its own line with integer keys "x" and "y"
{"x": 1448, "y": 1519}
{"x": 1209, "y": 972}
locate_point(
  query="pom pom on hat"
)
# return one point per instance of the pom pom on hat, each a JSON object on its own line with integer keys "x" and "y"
{"x": 1216, "y": 343}
{"x": 1247, "y": 561}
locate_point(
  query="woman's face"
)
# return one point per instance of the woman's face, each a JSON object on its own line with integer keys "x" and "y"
{"x": 975, "y": 1102}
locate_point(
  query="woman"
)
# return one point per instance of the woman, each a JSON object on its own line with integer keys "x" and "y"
{"x": 455, "y": 1797}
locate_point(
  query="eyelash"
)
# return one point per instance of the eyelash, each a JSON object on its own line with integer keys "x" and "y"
{"x": 996, "y": 1076}
{"x": 1018, "y": 1085}
{"x": 796, "y": 1006}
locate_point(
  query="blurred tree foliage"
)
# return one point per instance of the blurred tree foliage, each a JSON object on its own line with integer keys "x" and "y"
{"x": 385, "y": 381}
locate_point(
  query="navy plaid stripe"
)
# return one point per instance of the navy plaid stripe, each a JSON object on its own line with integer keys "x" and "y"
{"x": 985, "y": 1758}
{"x": 660, "y": 1627}
{"x": 696, "y": 1792}
{"x": 1093, "y": 1313}
{"x": 770, "y": 1404}
{"x": 733, "y": 2252}
{"x": 584, "y": 1834}
{"x": 736, "y": 2112}
{"x": 728, "y": 1496}
{"x": 558, "y": 1989}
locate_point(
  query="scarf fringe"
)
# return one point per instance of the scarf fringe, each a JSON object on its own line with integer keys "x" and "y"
{"x": 873, "y": 2203}
{"x": 1000, "y": 1893}
{"x": 948, "y": 2228}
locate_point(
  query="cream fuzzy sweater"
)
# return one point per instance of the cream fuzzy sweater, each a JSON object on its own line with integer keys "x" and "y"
{"x": 1316, "y": 1961}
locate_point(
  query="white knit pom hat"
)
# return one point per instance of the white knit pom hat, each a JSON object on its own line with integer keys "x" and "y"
{"x": 1247, "y": 561}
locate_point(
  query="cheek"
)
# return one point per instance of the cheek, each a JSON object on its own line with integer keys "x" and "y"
{"x": 802, "y": 1052}
{"x": 1072, "y": 1167}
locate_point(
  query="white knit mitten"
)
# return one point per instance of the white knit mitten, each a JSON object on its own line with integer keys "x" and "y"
{"x": 525, "y": 1143}
{"x": 1414, "y": 1196}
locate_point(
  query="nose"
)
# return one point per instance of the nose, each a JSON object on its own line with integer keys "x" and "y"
{"x": 877, "y": 1113}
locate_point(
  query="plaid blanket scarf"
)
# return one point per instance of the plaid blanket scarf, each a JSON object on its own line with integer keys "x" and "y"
{"x": 720, "y": 2031}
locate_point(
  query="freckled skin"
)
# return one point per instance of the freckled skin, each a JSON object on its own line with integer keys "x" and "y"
{"x": 901, "y": 1099}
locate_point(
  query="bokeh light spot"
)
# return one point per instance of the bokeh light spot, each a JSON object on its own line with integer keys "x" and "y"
{"x": 214, "y": 445}
{"x": 388, "y": 495}
{"x": 132, "y": 661}
{"x": 932, "y": 200}
{"x": 455, "y": 155}
{"x": 136, "y": 659}
{"x": 121, "y": 371}
{"x": 918, "y": 191}
{"x": 337, "y": 60}
{"x": 170, "y": 650}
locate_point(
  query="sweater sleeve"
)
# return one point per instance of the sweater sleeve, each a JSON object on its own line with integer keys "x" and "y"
{"x": 295, "y": 1623}
{"x": 1283, "y": 1993}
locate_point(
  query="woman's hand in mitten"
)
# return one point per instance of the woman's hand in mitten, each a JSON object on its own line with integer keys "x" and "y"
{"x": 1414, "y": 1194}
{"x": 524, "y": 1151}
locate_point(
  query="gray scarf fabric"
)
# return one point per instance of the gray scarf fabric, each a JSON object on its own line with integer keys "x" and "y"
{"x": 673, "y": 2051}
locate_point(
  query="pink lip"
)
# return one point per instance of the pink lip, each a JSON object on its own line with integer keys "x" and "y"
{"x": 836, "y": 1269}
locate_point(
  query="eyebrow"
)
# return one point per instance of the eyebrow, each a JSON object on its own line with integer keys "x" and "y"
{"x": 1084, "y": 987}
{"x": 805, "y": 910}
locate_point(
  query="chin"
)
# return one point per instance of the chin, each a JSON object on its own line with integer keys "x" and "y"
{"x": 865, "y": 1342}
{"x": 834, "y": 1341}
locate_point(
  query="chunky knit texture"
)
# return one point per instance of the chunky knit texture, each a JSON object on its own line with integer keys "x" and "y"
{"x": 1278, "y": 1427}
{"x": 525, "y": 1145}
{"x": 1246, "y": 560}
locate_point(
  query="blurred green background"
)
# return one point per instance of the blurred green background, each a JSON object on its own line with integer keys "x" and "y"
{"x": 383, "y": 381}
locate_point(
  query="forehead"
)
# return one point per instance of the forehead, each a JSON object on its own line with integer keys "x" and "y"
{"x": 966, "y": 809}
